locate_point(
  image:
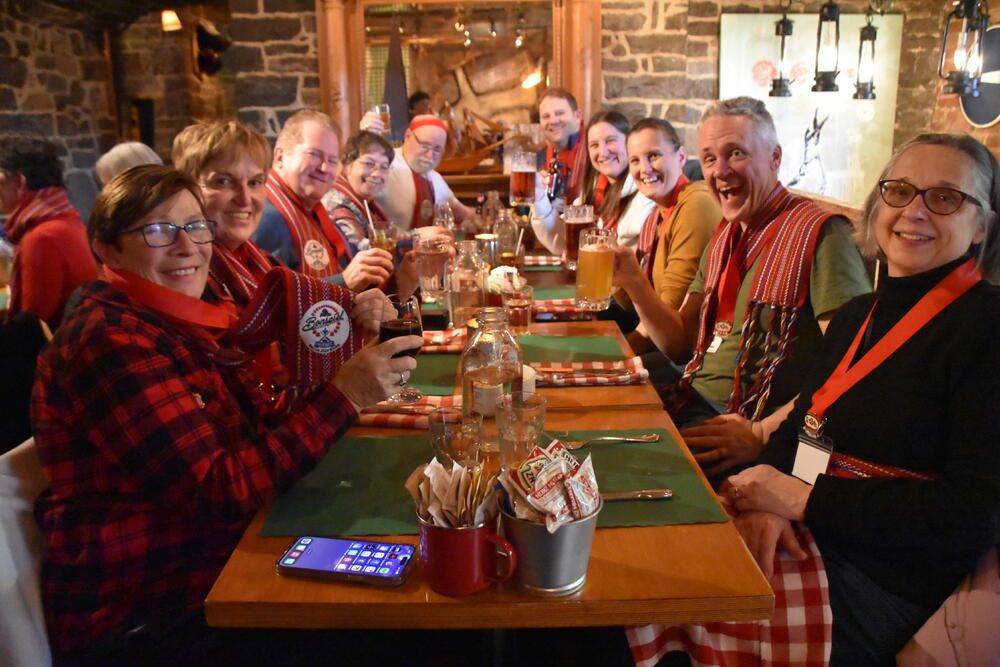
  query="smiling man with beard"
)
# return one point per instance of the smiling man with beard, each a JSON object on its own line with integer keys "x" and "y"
{"x": 295, "y": 227}
{"x": 776, "y": 269}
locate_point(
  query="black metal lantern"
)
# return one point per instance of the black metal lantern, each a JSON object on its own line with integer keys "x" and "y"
{"x": 782, "y": 30}
{"x": 827, "y": 48}
{"x": 865, "y": 84}
{"x": 967, "y": 56}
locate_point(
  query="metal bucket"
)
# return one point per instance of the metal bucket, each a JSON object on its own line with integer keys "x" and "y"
{"x": 550, "y": 564}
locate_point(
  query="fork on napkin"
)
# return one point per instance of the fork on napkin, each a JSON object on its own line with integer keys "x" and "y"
{"x": 590, "y": 373}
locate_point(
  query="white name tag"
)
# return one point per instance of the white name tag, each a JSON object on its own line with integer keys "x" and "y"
{"x": 811, "y": 459}
{"x": 714, "y": 345}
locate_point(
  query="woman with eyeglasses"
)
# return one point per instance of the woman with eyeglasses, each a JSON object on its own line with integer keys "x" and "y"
{"x": 890, "y": 457}
{"x": 158, "y": 441}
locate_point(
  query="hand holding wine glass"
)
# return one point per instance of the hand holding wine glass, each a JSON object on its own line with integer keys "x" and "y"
{"x": 405, "y": 323}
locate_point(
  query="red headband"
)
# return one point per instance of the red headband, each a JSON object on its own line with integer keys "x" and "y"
{"x": 424, "y": 122}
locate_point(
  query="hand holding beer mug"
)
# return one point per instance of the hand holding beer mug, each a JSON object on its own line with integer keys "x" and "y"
{"x": 575, "y": 220}
{"x": 522, "y": 179}
{"x": 594, "y": 269}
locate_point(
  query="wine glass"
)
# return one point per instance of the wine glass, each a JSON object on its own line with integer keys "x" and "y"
{"x": 405, "y": 323}
{"x": 444, "y": 216}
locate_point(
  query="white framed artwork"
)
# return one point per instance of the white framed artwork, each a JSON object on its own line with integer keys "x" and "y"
{"x": 832, "y": 145}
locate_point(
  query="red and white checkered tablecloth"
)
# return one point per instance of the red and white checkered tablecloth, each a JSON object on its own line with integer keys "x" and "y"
{"x": 798, "y": 634}
{"x": 576, "y": 375}
{"x": 372, "y": 417}
{"x": 542, "y": 260}
{"x": 556, "y": 306}
{"x": 451, "y": 340}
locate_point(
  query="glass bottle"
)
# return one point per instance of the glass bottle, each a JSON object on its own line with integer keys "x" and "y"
{"x": 491, "y": 209}
{"x": 490, "y": 367}
{"x": 467, "y": 283}
{"x": 506, "y": 231}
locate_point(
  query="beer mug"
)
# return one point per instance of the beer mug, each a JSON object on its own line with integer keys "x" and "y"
{"x": 522, "y": 179}
{"x": 383, "y": 111}
{"x": 595, "y": 268}
{"x": 575, "y": 220}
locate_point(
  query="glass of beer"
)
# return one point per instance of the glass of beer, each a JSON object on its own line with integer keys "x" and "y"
{"x": 522, "y": 179}
{"x": 575, "y": 220}
{"x": 384, "y": 239}
{"x": 432, "y": 257}
{"x": 517, "y": 302}
{"x": 595, "y": 268}
{"x": 405, "y": 323}
{"x": 383, "y": 111}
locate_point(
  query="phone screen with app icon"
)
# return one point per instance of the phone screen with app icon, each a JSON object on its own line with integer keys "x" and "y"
{"x": 362, "y": 561}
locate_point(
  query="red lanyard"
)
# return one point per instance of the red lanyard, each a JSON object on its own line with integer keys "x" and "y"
{"x": 732, "y": 277}
{"x": 954, "y": 285}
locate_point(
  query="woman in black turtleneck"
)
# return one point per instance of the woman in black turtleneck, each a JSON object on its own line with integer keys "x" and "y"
{"x": 896, "y": 546}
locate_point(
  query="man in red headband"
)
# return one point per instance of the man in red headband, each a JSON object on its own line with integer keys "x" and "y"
{"x": 295, "y": 227}
{"x": 413, "y": 188}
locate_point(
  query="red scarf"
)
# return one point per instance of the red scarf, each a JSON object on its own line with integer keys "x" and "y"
{"x": 784, "y": 235}
{"x": 237, "y": 273}
{"x": 285, "y": 304}
{"x": 317, "y": 240}
{"x": 600, "y": 187}
{"x": 353, "y": 204}
{"x": 423, "y": 202}
{"x": 649, "y": 235}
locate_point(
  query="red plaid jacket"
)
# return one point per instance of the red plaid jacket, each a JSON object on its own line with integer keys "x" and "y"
{"x": 158, "y": 459}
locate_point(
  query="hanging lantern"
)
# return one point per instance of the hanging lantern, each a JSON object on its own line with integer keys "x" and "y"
{"x": 865, "y": 84}
{"x": 967, "y": 56}
{"x": 827, "y": 48}
{"x": 783, "y": 30}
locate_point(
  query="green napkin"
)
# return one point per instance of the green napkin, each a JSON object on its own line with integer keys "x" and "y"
{"x": 357, "y": 489}
{"x": 632, "y": 466}
{"x": 435, "y": 374}
{"x": 557, "y": 267}
{"x": 569, "y": 348}
{"x": 560, "y": 292}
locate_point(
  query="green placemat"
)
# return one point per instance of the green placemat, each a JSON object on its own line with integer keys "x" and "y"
{"x": 557, "y": 267}
{"x": 637, "y": 466}
{"x": 569, "y": 348}
{"x": 357, "y": 489}
{"x": 560, "y": 292}
{"x": 435, "y": 374}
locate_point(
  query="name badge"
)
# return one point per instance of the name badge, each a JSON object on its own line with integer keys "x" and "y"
{"x": 713, "y": 347}
{"x": 812, "y": 457}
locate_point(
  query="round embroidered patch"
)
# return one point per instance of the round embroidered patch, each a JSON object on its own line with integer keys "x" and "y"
{"x": 325, "y": 327}
{"x": 315, "y": 255}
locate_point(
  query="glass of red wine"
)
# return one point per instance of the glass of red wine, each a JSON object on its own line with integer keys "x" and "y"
{"x": 405, "y": 323}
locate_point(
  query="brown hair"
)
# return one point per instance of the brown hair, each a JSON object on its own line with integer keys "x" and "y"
{"x": 291, "y": 132}
{"x": 613, "y": 203}
{"x": 131, "y": 195}
{"x": 986, "y": 175}
{"x": 663, "y": 126}
{"x": 203, "y": 143}
{"x": 562, "y": 94}
{"x": 361, "y": 142}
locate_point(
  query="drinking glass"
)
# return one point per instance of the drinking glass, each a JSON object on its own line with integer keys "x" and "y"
{"x": 405, "y": 323}
{"x": 595, "y": 269}
{"x": 432, "y": 269}
{"x": 444, "y": 216}
{"x": 520, "y": 420}
{"x": 383, "y": 111}
{"x": 522, "y": 179}
{"x": 456, "y": 436}
{"x": 385, "y": 239}
{"x": 517, "y": 301}
{"x": 575, "y": 220}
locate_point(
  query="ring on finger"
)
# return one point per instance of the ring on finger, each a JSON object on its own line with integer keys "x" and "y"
{"x": 402, "y": 379}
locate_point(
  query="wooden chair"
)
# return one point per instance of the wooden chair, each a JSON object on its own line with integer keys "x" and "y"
{"x": 22, "y": 625}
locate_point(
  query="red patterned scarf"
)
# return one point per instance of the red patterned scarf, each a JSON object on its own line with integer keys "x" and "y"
{"x": 237, "y": 273}
{"x": 351, "y": 203}
{"x": 310, "y": 316}
{"x": 423, "y": 201}
{"x": 784, "y": 235}
{"x": 317, "y": 240}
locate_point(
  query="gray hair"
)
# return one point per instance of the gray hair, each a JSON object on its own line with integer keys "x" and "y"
{"x": 986, "y": 180}
{"x": 121, "y": 157}
{"x": 753, "y": 109}
{"x": 291, "y": 132}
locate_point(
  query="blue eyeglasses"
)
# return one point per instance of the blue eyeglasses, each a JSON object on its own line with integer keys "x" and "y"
{"x": 162, "y": 234}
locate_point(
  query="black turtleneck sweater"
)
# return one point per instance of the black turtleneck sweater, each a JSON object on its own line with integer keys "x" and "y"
{"x": 933, "y": 406}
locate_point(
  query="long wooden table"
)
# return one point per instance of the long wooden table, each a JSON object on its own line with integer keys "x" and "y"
{"x": 688, "y": 573}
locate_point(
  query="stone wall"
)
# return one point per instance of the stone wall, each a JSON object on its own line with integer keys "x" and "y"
{"x": 53, "y": 83}
{"x": 273, "y": 60}
{"x": 661, "y": 58}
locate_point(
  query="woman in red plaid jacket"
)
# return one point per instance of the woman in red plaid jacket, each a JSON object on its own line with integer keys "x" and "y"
{"x": 158, "y": 443}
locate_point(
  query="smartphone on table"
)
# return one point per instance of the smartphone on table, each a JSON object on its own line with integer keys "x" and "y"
{"x": 353, "y": 560}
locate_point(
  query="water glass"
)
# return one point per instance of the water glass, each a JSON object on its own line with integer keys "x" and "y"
{"x": 432, "y": 268}
{"x": 517, "y": 301}
{"x": 456, "y": 436}
{"x": 520, "y": 420}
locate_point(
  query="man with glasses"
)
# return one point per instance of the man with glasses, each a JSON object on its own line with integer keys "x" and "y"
{"x": 771, "y": 278}
{"x": 413, "y": 187}
{"x": 295, "y": 227}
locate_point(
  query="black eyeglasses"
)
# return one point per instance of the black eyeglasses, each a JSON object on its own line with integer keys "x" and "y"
{"x": 943, "y": 201}
{"x": 162, "y": 234}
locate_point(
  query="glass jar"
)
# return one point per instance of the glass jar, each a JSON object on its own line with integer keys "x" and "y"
{"x": 467, "y": 283}
{"x": 491, "y": 366}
